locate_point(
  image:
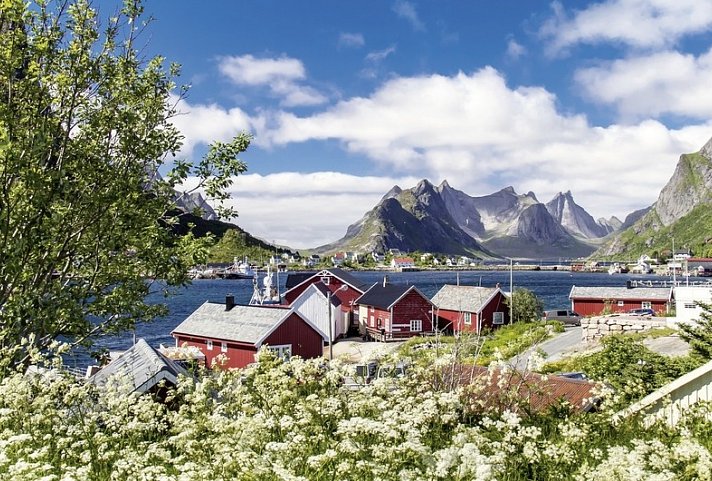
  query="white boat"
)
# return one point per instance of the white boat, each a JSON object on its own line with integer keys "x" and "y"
{"x": 239, "y": 270}
{"x": 267, "y": 293}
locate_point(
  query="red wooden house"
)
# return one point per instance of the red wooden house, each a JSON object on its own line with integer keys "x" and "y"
{"x": 394, "y": 311}
{"x": 342, "y": 285}
{"x": 594, "y": 301}
{"x": 237, "y": 332}
{"x": 470, "y": 308}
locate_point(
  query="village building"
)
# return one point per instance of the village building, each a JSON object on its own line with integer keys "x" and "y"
{"x": 323, "y": 309}
{"x": 394, "y": 311}
{"x": 470, "y": 308}
{"x": 230, "y": 335}
{"x": 141, "y": 369}
{"x": 400, "y": 263}
{"x": 687, "y": 298}
{"x": 699, "y": 266}
{"x": 595, "y": 301}
{"x": 334, "y": 279}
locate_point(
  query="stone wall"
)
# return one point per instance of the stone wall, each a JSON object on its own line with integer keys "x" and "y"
{"x": 594, "y": 328}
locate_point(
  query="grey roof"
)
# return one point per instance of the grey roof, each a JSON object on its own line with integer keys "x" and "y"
{"x": 384, "y": 297}
{"x": 647, "y": 293}
{"x": 246, "y": 324}
{"x": 142, "y": 366}
{"x": 463, "y": 298}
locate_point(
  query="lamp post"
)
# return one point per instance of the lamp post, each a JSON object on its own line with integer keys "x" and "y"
{"x": 511, "y": 291}
{"x": 329, "y": 293}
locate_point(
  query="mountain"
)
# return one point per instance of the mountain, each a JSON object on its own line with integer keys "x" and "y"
{"x": 575, "y": 219}
{"x": 195, "y": 203}
{"x": 683, "y": 211}
{"x": 409, "y": 220}
{"x": 445, "y": 220}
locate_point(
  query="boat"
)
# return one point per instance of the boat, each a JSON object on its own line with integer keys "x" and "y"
{"x": 617, "y": 268}
{"x": 267, "y": 293}
{"x": 238, "y": 270}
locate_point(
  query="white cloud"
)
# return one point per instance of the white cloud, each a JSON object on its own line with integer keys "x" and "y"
{"x": 281, "y": 75}
{"x": 661, "y": 83}
{"x": 407, "y": 11}
{"x": 482, "y": 135}
{"x": 203, "y": 124}
{"x": 515, "y": 49}
{"x": 380, "y": 55}
{"x": 306, "y": 210}
{"x": 354, "y": 40}
{"x": 636, "y": 23}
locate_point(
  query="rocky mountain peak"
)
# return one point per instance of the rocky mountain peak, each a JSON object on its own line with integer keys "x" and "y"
{"x": 394, "y": 192}
{"x": 706, "y": 149}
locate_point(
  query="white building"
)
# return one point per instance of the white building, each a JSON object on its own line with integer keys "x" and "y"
{"x": 686, "y": 297}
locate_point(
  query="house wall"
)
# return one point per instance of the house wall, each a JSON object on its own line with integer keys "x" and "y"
{"x": 314, "y": 307}
{"x": 346, "y": 296}
{"x": 595, "y": 307}
{"x": 412, "y": 306}
{"x": 453, "y": 321}
{"x": 685, "y": 298}
{"x": 237, "y": 355}
{"x": 305, "y": 340}
{"x": 496, "y": 304}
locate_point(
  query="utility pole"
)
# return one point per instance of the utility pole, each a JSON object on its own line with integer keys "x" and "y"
{"x": 511, "y": 291}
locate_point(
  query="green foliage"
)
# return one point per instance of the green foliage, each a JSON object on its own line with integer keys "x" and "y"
{"x": 526, "y": 306}
{"x": 237, "y": 243}
{"x": 628, "y": 366}
{"x": 85, "y": 219}
{"x": 699, "y": 335}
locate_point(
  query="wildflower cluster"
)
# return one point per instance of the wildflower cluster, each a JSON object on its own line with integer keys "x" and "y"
{"x": 298, "y": 421}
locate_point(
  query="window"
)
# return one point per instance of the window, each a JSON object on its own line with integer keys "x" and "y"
{"x": 325, "y": 280}
{"x": 379, "y": 323}
{"x": 209, "y": 345}
{"x": 223, "y": 347}
{"x": 467, "y": 318}
{"x": 283, "y": 351}
{"x": 498, "y": 317}
{"x": 689, "y": 305}
{"x": 621, "y": 303}
{"x": 646, "y": 305}
{"x": 416, "y": 325}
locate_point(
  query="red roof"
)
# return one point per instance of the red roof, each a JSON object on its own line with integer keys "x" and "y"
{"x": 514, "y": 390}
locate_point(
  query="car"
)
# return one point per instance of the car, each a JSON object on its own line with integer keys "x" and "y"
{"x": 641, "y": 312}
{"x": 567, "y": 316}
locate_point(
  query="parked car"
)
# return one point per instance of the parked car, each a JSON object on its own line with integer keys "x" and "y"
{"x": 641, "y": 312}
{"x": 566, "y": 316}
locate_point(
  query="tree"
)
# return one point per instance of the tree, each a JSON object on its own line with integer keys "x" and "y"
{"x": 85, "y": 217}
{"x": 699, "y": 334}
{"x": 526, "y": 306}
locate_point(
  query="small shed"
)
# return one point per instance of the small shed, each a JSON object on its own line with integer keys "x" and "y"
{"x": 594, "y": 301}
{"x": 143, "y": 369}
{"x": 470, "y": 308}
{"x": 687, "y": 298}
{"x": 231, "y": 335}
{"x": 313, "y": 304}
{"x": 394, "y": 311}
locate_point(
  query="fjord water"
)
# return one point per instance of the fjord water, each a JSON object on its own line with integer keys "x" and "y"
{"x": 552, "y": 287}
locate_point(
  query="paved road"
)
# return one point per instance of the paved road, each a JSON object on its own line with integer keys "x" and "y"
{"x": 554, "y": 347}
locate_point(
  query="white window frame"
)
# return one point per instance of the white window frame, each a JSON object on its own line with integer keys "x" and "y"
{"x": 690, "y": 305}
{"x": 416, "y": 325}
{"x": 223, "y": 346}
{"x": 283, "y": 351}
{"x": 209, "y": 345}
{"x": 498, "y": 318}
{"x": 621, "y": 303}
{"x": 467, "y": 318}
{"x": 646, "y": 305}
{"x": 325, "y": 280}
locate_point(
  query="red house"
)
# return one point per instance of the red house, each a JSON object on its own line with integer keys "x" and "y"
{"x": 470, "y": 308}
{"x": 394, "y": 311}
{"x": 594, "y": 301}
{"x": 237, "y": 332}
{"x": 342, "y": 285}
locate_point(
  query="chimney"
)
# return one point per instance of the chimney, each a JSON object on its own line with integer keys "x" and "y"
{"x": 229, "y": 302}
{"x": 385, "y": 281}
{"x": 628, "y": 284}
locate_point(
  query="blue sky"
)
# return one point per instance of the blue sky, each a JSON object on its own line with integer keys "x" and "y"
{"x": 346, "y": 99}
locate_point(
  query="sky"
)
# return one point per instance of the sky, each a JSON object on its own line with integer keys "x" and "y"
{"x": 346, "y": 99}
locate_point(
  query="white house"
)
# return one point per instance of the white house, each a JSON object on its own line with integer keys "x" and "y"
{"x": 313, "y": 305}
{"x": 672, "y": 400}
{"x": 686, "y": 297}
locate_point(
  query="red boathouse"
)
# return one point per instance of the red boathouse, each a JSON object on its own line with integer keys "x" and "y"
{"x": 470, "y": 308}
{"x": 595, "y": 301}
